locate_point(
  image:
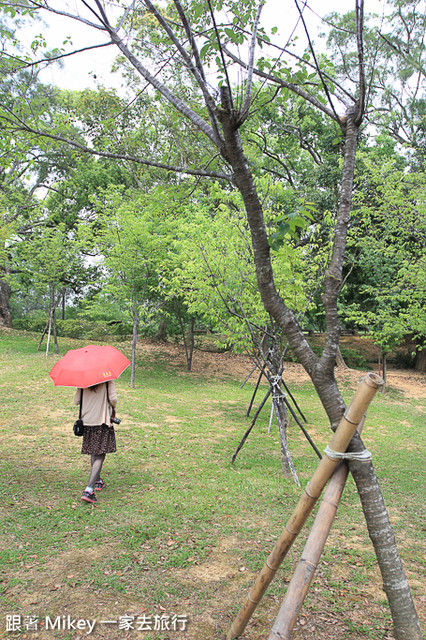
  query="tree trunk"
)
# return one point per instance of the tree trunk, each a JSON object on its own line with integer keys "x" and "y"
{"x": 340, "y": 361}
{"x": 321, "y": 370}
{"x": 5, "y": 314}
{"x": 64, "y": 295}
{"x": 42, "y": 336}
{"x": 55, "y": 333}
{"x": 189, "y": 344}
{"x": 48, "y": 333}
{"x": 273, "y": 361}
{"x": 385, "y": 370}
{"x": 420, "y": 362}
{"x": 395, "y": 584}
{"x": 161, "y": 334}
{"x": 134, "y": 343}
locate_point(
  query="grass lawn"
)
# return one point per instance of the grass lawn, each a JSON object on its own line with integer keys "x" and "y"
{"x": 179, "y": 534}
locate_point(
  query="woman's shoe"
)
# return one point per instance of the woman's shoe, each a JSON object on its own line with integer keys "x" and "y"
{"x": 89, "y": 497}
{"x": 99, "y": 485}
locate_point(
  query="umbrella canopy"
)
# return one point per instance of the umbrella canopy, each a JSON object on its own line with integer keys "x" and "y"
{"x": 88, "y": 366}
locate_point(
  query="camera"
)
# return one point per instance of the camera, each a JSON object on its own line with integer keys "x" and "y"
{"x": 115, "y": 420}
{"x": 78, "y": 427}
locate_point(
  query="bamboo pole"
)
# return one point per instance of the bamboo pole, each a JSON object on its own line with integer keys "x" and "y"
{"x": 353, "y": 415}
{"x": 305, "y": 570}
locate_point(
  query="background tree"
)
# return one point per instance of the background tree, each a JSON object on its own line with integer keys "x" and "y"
{"x": 385, "y": 293}
{"x": 218, "y": 283}
{"x": 48, "y": 263}
{"x": 133, "y": 247}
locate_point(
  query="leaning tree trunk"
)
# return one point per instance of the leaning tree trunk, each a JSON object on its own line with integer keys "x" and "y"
{"x": 5, "y": 313}
{"x": 340, "y": 361}
{"x": 321, "y": 370}
{"x": 188, "y": 338}
{"x": 189, "y": 344}
{"x": 420, "y": 361}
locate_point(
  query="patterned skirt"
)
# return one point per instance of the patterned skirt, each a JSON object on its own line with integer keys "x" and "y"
{"x": 98, "y": 440}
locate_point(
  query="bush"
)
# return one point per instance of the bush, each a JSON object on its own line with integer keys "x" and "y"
{"x": 91, "y": 330}
{"x": 404, "y": 360}
{"x": 31, "y": 321}
{"x": 353, "y": 358}
{"x": 77, "y": 327}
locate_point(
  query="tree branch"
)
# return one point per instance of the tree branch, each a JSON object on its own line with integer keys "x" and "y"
{"x": 123, "y": 18}
{"x": 200, "y": 77}
{"x": 333, "y": 276}
{"x": 225, "y": 68}
{"x": 22, "y": 126}
{"x": 324, "y": 84}
{"x": 194, "y": 69}
{"x": 287, "y": 85}
{"x": 94, "y": 12}
{"x": 26, "y": 65}
{"x": 46, "y": 7}
{"x": 247, "y": 99}
{"x": 359, "y": 14}
{"x": 274, "y": 157}
{"x": 176, "y": 102}
{"x": 184, "y": 109}
{"x": 104, "y": 17}
{"x": 300, "y": 59}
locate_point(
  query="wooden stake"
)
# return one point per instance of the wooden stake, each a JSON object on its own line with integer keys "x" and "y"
{"x": 246, "y": 435}
{"x": 255, "y": 391}
{"x": 367, "y": 389}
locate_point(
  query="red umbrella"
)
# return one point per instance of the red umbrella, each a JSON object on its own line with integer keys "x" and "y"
{"x": 88, "y": 366}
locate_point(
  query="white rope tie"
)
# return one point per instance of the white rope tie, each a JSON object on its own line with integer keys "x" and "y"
{"x": 362, "y": 456}
{"x": 277, "y": 392}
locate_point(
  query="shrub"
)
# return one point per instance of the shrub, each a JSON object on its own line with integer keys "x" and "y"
{"x": 353, "y": 358}
{"x": 91, "y": 330}
{"x": 404, "y": 360}
{"x": 32, "y": 321}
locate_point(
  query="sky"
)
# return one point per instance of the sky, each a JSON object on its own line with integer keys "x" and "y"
{"x": 90, "y": 68}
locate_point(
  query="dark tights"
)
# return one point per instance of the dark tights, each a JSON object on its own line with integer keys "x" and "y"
{"x": 95, "y": 473}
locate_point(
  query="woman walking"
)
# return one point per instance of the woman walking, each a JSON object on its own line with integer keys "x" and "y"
{"x": 97, "y": 411}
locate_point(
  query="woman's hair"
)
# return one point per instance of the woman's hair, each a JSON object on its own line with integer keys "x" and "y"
{"x": 95, "y": 387}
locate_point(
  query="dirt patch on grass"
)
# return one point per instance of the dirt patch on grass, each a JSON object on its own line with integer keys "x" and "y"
{"x": 408, "y": 381}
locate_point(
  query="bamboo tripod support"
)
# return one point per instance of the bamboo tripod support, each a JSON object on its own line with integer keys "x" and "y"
{"x": 354, "y": 414}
